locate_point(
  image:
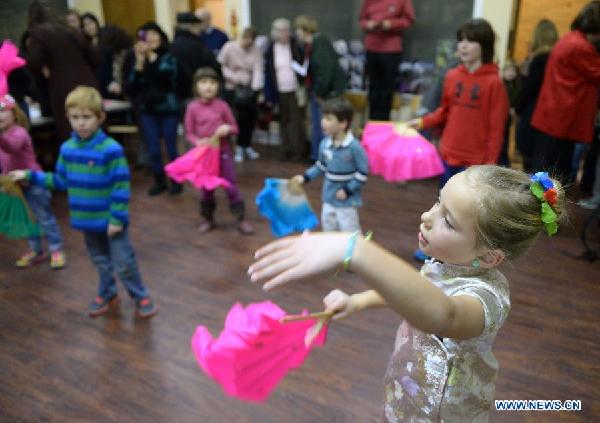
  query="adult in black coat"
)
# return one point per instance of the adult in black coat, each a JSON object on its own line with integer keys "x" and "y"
{"x": 190, "y": 52}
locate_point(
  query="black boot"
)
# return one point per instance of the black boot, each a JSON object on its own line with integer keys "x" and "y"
{"x": 159, "y": 186}
{"x": 207, "y": 211}
{"x": 239, "y": 210}
{"x": 175, "y": 188}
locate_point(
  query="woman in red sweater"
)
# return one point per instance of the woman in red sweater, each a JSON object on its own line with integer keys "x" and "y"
{"x": 568, "y": 101}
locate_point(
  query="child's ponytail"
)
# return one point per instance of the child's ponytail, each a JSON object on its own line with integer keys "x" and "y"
{"x": 513, "y": 208}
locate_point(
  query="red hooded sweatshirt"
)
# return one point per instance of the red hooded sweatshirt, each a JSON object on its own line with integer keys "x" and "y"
{"x": 474, "y": 110}
{"x": 568, "y": 101}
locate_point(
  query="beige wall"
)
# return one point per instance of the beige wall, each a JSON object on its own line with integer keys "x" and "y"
{"x": 499, "y": 13}
{"x": 92, "y": 6}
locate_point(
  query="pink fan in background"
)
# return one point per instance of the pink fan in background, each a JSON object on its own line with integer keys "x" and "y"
{"x": 255, "y": 350}
{"x": 399, "y": 153}
{"x": 9, "y": 60}
{"x": 200, "y": 166}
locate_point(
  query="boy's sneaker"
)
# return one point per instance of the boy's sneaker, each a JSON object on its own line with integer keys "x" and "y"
{"x": 145, "y": 308}
{"x": 206, "y": 226}
{"x": 101, "y": 305}
{"x": 239, "y": 155}
{"x": 31, "y": 258}
{"x": 57, "y": 260}
{"x": 251, "y": 153}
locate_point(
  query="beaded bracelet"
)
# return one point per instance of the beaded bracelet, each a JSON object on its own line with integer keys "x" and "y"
{"x": 350, "y": 247}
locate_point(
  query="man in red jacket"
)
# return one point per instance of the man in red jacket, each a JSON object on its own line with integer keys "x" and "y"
{"x": 568, "y": 101}
{"x": 384, "y": 21}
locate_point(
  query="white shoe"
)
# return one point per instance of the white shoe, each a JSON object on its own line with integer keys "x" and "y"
{"x": 251, "y": 153}
{"x": 239, "y": 155}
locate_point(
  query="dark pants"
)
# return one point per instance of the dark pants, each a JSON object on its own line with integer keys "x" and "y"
{"x": 155, "y": 126}
{"x": 115, "y": 255}
{"x": 39, "y": 199}
{"x": 554, "y": 155}
{"x": 382, "y": 70}
{"x": 245, "y": 115}
{"x": 291, "y": 127}
{"x": 227, "y": 171}
{"x": 449, "y": 172}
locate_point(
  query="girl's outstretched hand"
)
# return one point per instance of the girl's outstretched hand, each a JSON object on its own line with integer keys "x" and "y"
{"x": 297, "y": 257}
{"x": 342, "y": 304}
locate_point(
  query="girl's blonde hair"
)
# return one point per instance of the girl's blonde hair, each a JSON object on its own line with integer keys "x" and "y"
{"x": 545, "y": 36}
{"x": 508, "y": 214}
{"x": 21, "y": 118}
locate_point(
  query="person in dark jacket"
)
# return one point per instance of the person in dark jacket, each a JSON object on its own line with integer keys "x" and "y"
{"x": 545, "y": 36}
{"x": 281, "y": 86}
{"x": 113, "y": 48}
{"x": 153, "y": 82}
{"x": 325, "y": 77}
{"x": 63, "y": 56}
{"x": 566, "y": 108}
{"x": 190, "y": 52}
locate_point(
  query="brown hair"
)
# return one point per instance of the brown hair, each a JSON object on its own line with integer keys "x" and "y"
{"x": 86, "y": 98}
{"x": 545, "y": 36}
{"x": 588, "y": 20}
{"x": 508, "y": 215}
{"x": 20, "y": 117}
{"x": 340, "y": 108}
{"x": 306, "y": 24}
{"x": 479, "y": 31}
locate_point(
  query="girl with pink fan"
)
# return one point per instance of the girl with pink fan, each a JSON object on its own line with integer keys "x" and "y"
{"x": 208, "y": 124}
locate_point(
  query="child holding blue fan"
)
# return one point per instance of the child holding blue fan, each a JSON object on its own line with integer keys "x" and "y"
{"x": 344, "y": 164}
{"x": 442, "y": 367}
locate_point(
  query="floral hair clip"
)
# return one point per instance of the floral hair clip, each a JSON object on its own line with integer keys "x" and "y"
{"x": 7, "y": 102}
{"x": 543, "y": 188}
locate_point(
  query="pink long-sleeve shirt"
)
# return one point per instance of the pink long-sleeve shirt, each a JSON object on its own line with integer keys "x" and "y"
{"x": 16, "y": 150}
{"x": 202, "y": 118}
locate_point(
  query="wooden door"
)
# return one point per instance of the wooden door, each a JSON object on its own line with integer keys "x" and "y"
{"x": 128, "y": 14}
{"x": 561, "y": 12}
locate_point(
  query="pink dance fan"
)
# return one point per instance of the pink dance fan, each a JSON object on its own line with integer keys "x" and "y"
{"x": 399, "y": 153}
{"x": 256, "y": 349}
{"x": 9, "y": 60}
{"x": 200, "y": 166}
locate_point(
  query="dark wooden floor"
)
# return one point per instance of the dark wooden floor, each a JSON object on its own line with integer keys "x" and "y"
{"x": 58, "y": 365}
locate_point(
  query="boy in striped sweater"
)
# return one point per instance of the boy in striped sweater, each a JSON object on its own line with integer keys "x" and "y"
{"x": 92, "y": 169}
{"x": 345, "y": 165}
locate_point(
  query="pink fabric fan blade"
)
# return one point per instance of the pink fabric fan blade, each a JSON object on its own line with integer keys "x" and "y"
{"x": 200, "y": 166}
{"x": 9, "y": 61}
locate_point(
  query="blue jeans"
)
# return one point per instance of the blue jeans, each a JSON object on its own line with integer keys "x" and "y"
{"x": 38, "y": 199}
{"x": 155, "y": 126}
{"x": 316, "y": 132}
{"x": 449, "y": 172}
{"x": 115, "y": 254}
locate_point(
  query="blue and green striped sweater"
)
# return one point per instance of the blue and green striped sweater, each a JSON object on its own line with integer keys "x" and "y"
{"x": 95, "y": 174}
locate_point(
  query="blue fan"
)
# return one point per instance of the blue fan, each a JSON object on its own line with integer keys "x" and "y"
{"x": 287, "y": 211}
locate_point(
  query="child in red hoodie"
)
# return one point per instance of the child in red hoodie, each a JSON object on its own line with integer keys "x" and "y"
{"x": 474, "y": 105}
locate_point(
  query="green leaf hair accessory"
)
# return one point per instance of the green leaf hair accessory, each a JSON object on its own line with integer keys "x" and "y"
{"x": 543, "y": 188}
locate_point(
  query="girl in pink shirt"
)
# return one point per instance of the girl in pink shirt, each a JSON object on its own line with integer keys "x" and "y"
{"x": 16, "y": 152}
{"x": 206, "y": 117}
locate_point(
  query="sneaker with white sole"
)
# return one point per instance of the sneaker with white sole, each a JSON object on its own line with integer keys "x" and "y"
{"x": 238, "y": 157}
{"x": 251, "y": 153}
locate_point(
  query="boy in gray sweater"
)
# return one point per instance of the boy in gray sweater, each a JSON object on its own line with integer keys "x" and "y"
{"x": 344, "y": 163}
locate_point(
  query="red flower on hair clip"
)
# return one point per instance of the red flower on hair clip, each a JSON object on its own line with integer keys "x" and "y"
{"x": 551, "y": 196}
